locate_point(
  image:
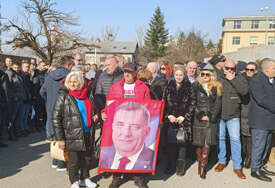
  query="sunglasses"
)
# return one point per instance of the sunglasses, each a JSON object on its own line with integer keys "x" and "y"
{"x": 205, "y": 74}
{"x": 162, "y": 68}
{"x": 250, "y": 70}
{"x": 230, "y": 68}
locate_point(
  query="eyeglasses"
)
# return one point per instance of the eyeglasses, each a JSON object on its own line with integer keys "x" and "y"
{"x": 230, "y": 68}
{"x": 162, "y": 68}
{"x": 250, "y": 70}
{"x": 205, "y": 74}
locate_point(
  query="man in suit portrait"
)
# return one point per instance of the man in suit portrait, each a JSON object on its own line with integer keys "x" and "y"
{"x": 129, "y": 130}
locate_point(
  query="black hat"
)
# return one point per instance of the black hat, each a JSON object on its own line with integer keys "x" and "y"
{"x": 216, "y": 59}
{"x": 241, "y": 65}
{"x": 131, "y": 67}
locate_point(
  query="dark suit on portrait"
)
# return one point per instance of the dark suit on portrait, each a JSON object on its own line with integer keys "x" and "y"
{"x": 144, "y": 161}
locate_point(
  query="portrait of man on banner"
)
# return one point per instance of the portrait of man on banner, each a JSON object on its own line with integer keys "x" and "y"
{"x": 130, "y": 136}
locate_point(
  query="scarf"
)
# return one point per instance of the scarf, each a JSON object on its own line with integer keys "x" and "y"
{"x": 83, "y": 95}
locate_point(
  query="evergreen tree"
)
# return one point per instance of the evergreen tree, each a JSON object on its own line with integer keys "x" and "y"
{"x": 210, "y": 44}
{"x": 157, "y": 36}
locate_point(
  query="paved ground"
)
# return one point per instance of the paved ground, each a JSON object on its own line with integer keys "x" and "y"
{"x": 26, "y": 164}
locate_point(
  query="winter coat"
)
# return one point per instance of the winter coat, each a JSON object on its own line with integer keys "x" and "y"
{"x": 67, "y": 123}
{"x": 180, "y": 102}
{"x": 262, "y": 108}
{"x": 105, "y": 81}
{"x": 103, "y": 85}
{"x": 203, "y": 131}
{"x": 245, "y": 100}
{"x": 38, "y": 80}
{"x": 157, "y": 87}
{"x": 141, "y": 91}
{"x": 17, "y": 88}
{"x": 231, "y": 97}
{"x": 50, "y": 88}
{"x": 4, "y": 89}
{"x": 28, "y": 85}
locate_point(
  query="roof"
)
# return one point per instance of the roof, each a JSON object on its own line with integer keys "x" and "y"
{"x": 116, "y": 47}
{"x": 252, "y": 17}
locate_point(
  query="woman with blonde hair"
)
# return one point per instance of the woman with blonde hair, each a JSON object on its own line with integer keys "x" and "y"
{"x": 208, "y": 96}
{"x": 73, "y": 118}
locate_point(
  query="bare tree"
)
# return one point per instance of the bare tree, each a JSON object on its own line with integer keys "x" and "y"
{"x": 43, "y": 29}
{"x": 140, "y": 32}
{"x": 109, "y": 33}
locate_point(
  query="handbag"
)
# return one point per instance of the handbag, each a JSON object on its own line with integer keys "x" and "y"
{"x": 57, "y": 153}
{"x": 176, "y": 134}
{"x": 181, "y": 136}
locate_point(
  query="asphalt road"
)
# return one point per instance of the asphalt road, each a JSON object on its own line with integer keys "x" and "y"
{"x": 26, "y": 164}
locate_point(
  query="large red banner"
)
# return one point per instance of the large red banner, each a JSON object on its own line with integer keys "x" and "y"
{"x": 130, "y": 136}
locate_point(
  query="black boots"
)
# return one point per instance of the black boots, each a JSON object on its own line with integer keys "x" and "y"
{"x": 180, "y": 169}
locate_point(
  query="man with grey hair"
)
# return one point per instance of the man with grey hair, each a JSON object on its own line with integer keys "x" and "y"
{"x": 261, "y": 118}
{"x": 158, "y": 82}
{"x": 191, "y": 71}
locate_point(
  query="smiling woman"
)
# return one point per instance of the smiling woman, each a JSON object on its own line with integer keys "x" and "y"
{"x": 73, "y": 116}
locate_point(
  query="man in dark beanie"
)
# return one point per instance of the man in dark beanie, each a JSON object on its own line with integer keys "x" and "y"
{"x": 241, "y": 66}
{"x": 218, "y": 62}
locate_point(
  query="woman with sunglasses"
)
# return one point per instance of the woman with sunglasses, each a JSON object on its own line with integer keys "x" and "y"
{"x": 167, "y": 70}
{"x": 179, "y": 109}
{"x": 208, "y": 97}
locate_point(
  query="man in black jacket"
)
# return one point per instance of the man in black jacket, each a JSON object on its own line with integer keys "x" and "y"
{"x": 18, "y": 95}
{"x": 39, "y": 106}
{"x": 4, "y": 103}
{"x": 28, "y": 86}
{"x": 234, "y": 86}
{"x": 261, "y": 118}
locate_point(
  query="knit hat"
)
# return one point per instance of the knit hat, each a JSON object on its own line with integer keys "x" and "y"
{"x": 241, "y": 65}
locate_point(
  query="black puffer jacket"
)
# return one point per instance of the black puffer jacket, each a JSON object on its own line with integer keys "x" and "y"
{"x": 180, "y": 102}
{"x": 67, "y": 123}
{"x": 206, "y": 106}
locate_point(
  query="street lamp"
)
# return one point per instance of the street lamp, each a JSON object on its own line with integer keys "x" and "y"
{"x": 266, "y": 8}
{"x": 96, "y": 43}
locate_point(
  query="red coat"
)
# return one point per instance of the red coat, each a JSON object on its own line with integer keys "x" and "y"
{"x": 141, "y": 90}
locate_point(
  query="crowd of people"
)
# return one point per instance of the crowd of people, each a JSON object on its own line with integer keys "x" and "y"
{"x": 208, "y": 100}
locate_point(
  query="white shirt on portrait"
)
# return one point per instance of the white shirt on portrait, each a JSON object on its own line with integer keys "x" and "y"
{"x": 130, "y": 165}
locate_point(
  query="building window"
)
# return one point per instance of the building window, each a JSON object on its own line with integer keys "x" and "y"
{"x": 271, "y": 40}
{"x": 253, "y": 40}
{"x": 255, "y": 24}
{"x": 236, "y": 40}
{"x": 272, "y": 24}
{"x": 237, "y": 24}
